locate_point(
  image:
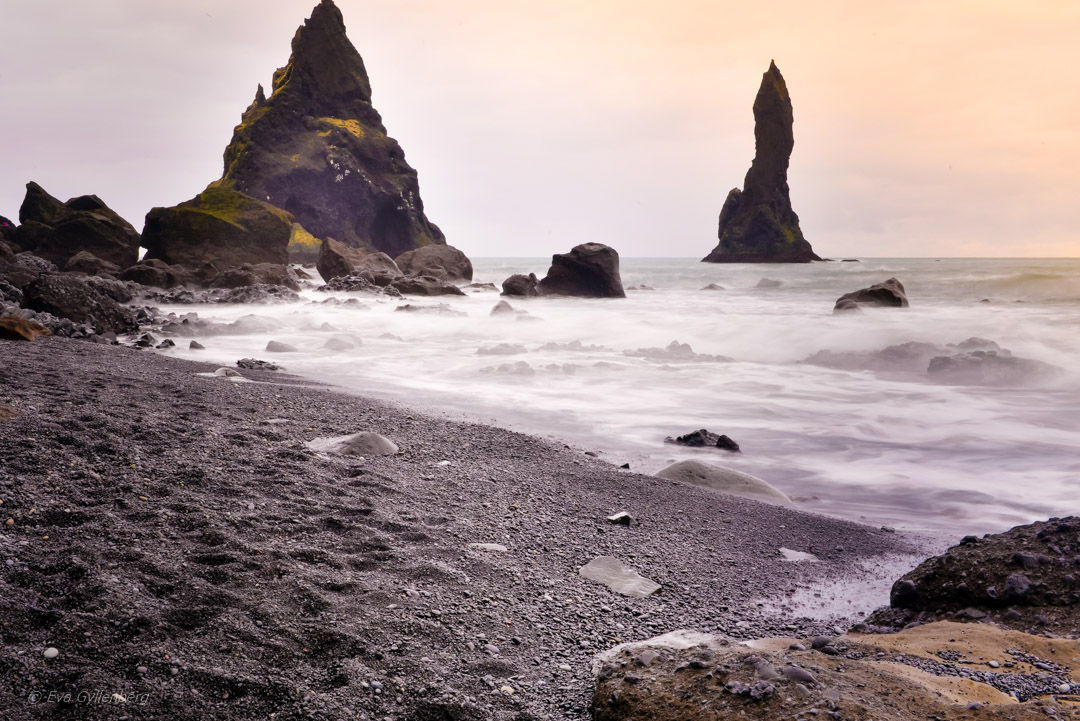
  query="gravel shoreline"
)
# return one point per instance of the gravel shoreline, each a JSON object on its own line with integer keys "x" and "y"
{"x": 173, "y": 537}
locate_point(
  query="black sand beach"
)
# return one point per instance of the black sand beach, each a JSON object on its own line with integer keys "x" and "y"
{"x": 173, "y": 538}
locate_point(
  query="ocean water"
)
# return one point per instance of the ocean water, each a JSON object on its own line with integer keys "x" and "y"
{"x": 866, "y": 436}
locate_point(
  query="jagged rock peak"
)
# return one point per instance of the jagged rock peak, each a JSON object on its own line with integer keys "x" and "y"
{"x": 757, "y": 223}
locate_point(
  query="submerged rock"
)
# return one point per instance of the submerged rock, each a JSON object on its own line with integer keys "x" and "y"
{"x": 676, "y": 352}
{"x": 989, "y": 368}
{"x": 316, "y": 147}
{"x": 726, "y": 480}
{"x": 589, "y": 270}
{"x": 757, "y": 224}
{"x": 889, "y": 294}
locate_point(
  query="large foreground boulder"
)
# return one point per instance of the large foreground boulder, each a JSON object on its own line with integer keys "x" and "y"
{"x": 58, "y": 231}
{"x": 316, "y": 147}
{"x": 441, "y": 261}
{"x": 727, "y": 480}
{"x": 1027, "y": 578}
{"x": 757, "y": 224}
{"x": 337, "y": 260}
{"x": 589, "y": 270}
{"x": 887, "y": 294}
{"x": 219, "y": 226}
{"x": 71, "y": 297}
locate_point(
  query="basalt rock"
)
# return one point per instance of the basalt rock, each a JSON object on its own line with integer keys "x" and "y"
{"x": 757, "y": 224}
{"x": 887, "y": 294}
{"x": 71, "y": 297}
{"x": 58, "y": 231}
{"x": 317, "y": 148}
{"x": 589, "y": 270}
{"x": 337, "y": 260}
{"x": 219, "y": 226}
{"x": 441, "y": 261}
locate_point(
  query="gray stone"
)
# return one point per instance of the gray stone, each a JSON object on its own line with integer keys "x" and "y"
{"x": 358, "y": 444}
{"x": 278, "y": 347}
{"x": 726, "y": 480}
{"x": 619, "y": 578}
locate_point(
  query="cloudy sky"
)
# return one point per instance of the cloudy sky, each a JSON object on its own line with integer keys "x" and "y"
{"x": 941, "y": 128}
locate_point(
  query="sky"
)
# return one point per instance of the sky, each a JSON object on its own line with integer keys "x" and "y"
{"x": 943, "y": 128}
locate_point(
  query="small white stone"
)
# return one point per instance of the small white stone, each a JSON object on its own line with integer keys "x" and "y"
{"x": 994, "y": 664}
{"x": 1064, "y": 688}
{"x": 51, "y": 652}
{"x": 508, "y": 690}
{"x": 564, "y": 667}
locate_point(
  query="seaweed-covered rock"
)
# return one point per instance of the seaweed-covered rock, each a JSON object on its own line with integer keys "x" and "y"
{"x": 757, "y": 224}
{"x": 441, "y": 261}
{"x": 589, "y": 270}
{"x": 219, "y": 226}
{"x": 1027, "y": 578}
{"x": 337, "y": 260}
{"x": 887, "y": 294}
{"x": 317, "y": 148}
{"x": 58, "y": 231}
{"x": 71, "y": 297}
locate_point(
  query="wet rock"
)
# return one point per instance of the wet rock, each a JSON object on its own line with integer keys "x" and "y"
{"x": 618, "y": 577}
{"x": 256, "y": 364}
{"x": 768, "y": 283}
{"x": 440, "y": 261}
{"x": 196, "y": 345}
{"x": 726, "y": 480}
{"x": 521, "y": 286}
{"x": 248, "y": 275}
{"x": 502, "y": 349}
{"x": 362, "y": 283}
{"x": 364, "y": 443}
{"x": 846, "y": 305}
{"x": 757, "y": 223}
{"x": 990, "y": 368}
{"x": 438, "y": 309}
{"x": 888, "y": 294}
{"x": 589, "y": 270}
{"x": 714, "y": 286}
{"x": 503, "y": 308}
{"x": 704, "y": 438}
{"x": 69, "y": 296}
{"x": 424, "y": 285}
{"x": 676, "y": 352}
{"x": 341, "y": 342}
{"x": 279, "y": 347}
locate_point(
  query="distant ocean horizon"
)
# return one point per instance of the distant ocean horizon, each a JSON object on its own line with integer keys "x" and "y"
{"x": 837, "y": 411}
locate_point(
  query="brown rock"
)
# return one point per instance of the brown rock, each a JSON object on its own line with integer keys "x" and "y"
{"x": 13, "y": 327}
{"x": 889, "y": 293}
{"x": 337, "y": 260}
{"x": 440, "y": 261}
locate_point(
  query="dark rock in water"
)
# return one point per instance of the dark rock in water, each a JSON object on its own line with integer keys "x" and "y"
{"x": 911, "y": 357}
{"x": 702, "y": 438}
{"x": 261, "y": 293}
{"x": 989, "y": 368}
{"x": 279, "y": 347}
{"x": 676, "y": 352}
{"x": 358, "y": 283}
{"x": 640, "y": 287}
{"x": 889, "y": 293}
{"x": 1023, "y": 579}
{"x": 521, "y": 286}
{"x": 88, "y": 263}
{"x": 441, "y": 261}
{"x": 439, "y": 309}
{"x": 846, "y": 305}
{"x": 156, "y": 274}
{"x": 714, "y": 286}
{"x": 424, "y": 285}
{"x": 475, "y": 287}
{"x": 58, "y": 231}
{"x": 219, "y": 226}
{"x": 260, "y": 274}
{"x": 68, "y": 296}
{"x": 13, "y": 327}
{"x": 337, "y": 260}
{"x": 196, "y": 345}
{"x": 317, "y": 148}
{"x": 255, "y": 364}
{"x": 757, "y": 224}
{"x": 768, "y": 283}
{"x": 503, "y": 308}
{"x": 589, "y": 270}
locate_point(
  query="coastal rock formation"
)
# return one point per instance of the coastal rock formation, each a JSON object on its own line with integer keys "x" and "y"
{"x": 68, "y": 296}
{"x": 337, "y": 260}
{"x": 727, "y": 480}
{"x": 218, "y": 226}
{"x": 424, "y": 285}
{"x": 440, "y": 261}
{"x": 90, "y": 264}
{"x": 888, "y": 294}
{"x": 1027, "y": 578}
{"x": 57, "y": 231}
{"x": 938, "y": 671}
{"x": 589, "y": 270}
{"x": 521, "y": 286}
{"x": 317, "y": 148}
{"x": 156, "y": 274}
{"x": 989, "y": 368}
{"x": 260, "y": 274}
{"x": 757, "y": 224}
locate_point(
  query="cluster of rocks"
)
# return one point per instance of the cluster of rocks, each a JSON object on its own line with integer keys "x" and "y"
{"x": 589, "y": 270}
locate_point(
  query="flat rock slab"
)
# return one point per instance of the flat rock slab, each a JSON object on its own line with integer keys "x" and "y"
{"x": 364, "y": 443}
{"x": 620, "y": 578}
{"x": 492, "y": 547}
{"x": 727, "y": 480}
{"x": 796, "y": 556}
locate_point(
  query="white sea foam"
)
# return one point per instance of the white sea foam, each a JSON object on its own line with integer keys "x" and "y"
{"x": 890, "y": 448}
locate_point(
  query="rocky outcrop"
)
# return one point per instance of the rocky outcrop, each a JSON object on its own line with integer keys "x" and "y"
{"x": 218, "y": 226}
{"x": 424, "y": 285}
{"x": 757, "y": 224}
{"x": 440, "y": 261}
{"x": 156, "y": 274}
{"x": 726, "y": 480}
{"x": 337, "y": 260}
{"x": 317, "y": 148}
{"x": 887, "y": 294}
{"x": 58, "y": 231}
{"x": 71, "y": 297}
{"x": 90, "y": 264}
{"x": 589, "y": 270}
{"x": 1027, "y": 578}
{"x": 521, "y": 286}
{"x": 259, "y": 274}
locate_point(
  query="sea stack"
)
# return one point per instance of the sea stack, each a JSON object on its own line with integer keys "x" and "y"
{"x": 757, "y": 224}
{"x": 316, "y": 148}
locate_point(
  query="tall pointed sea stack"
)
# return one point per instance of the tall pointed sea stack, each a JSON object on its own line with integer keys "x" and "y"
{"x": 317, "y": 148}
{"x": 757, "y": 224}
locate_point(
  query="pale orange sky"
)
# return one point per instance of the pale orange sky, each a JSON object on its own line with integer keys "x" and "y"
{"x": 921, "y": 128}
